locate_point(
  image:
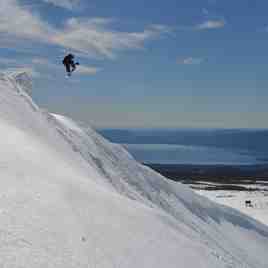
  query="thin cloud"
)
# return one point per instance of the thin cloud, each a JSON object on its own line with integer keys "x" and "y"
{"x": 41, "y": 61}
{"x": 90, "y": 37}
{"x": 34, "y": 27}
{"x": 7, "y": 61}
{"x": 67, "y": 4}
{"x": 210, "y": 24}
{"x": 84, "y": 70}
{"x": 190, "y": 61}
{"x": 96, "y": 36}
{"x": 205, "y": 11}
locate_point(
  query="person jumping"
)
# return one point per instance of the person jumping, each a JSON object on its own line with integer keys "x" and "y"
{"x": 69, "y": 64}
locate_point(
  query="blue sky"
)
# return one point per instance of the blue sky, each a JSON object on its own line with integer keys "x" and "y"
{"x": 147, "y": 63}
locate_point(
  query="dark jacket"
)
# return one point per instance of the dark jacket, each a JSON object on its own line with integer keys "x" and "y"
{"x": 68, "y": 60}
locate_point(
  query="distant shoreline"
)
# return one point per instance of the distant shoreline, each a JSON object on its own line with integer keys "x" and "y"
{"x": 222, "y": 174}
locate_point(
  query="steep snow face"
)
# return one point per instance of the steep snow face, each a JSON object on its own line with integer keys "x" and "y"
{"x": 69, "y": 198}
{"x": 217, "y": 226}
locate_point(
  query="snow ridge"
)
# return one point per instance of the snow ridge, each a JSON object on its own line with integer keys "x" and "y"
{"x": 70, "y": 198}
{"x": 22, "y": 79}
{"x": 25, "y": 81}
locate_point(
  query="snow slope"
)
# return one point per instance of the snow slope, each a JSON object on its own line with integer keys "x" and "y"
{"x": 236, "y": 199}
{"x": 69, "y": 198}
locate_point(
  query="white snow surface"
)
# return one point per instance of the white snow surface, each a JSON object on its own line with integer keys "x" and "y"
{"x": 236, "y": 199}
{"x": 69, "y": 198}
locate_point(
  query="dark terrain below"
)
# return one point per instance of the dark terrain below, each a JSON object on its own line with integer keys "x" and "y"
{"x": 216, "y": 177}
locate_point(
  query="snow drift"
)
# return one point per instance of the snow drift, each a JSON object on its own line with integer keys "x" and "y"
{"x": 70, "y": 198}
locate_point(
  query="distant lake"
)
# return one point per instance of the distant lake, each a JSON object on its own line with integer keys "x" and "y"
{"x": 193, "y": 146}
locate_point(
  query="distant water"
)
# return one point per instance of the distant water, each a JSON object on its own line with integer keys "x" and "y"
{"x": 181, "y": 154}
{"x": 194, "y": 146}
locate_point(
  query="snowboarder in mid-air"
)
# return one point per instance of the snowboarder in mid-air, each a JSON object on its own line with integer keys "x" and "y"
{"x": 69, "y": 64}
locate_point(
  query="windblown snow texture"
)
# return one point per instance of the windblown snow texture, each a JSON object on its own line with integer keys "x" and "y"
{"x": 69, "y": 198}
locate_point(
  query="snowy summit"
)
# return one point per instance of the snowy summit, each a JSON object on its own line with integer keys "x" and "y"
{"x": 71, "y": 199}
